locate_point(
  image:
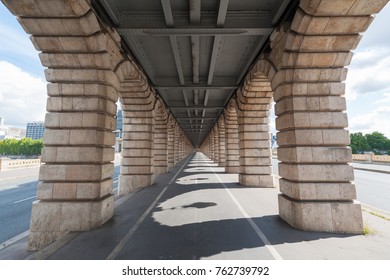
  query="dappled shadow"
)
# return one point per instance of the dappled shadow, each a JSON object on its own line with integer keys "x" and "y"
{"x": 211, "y": 238}
{"x": 194, "y": 218}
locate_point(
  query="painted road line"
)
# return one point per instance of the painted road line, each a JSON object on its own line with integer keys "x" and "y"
{"x": 28, "y": 198}
{"x": 14, "y": 239}
{"x": 258, "y": 231}
{"x": 127, "y": 237}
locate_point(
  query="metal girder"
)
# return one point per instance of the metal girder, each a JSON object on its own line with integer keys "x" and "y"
{"x": 199, "y": 118}
{"x": 196, "y": 108}
{"x": 137, "y": 19}
{"x": 195, "y": 31}
{"x": 194, "y": 87}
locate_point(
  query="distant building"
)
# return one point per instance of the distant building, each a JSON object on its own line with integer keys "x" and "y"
{"x": 10, "y": 132}
{"x": 119, "y": 124}
{"x": 118, "y": 131}
{"x": 35, "y": 130}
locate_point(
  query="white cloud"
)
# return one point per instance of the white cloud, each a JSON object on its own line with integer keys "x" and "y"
{"x": 13, "y": 41}
{"x": 376, "y": 120}
{"x": 368, "y": 73}
{"x": 23, "y": 97}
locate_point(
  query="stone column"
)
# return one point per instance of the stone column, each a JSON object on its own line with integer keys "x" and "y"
{"x": 317, "y": 187}
{"x": 222, "y": 145}
{"x": 171, "y": 140}
{"x": 232, "y": 149}
{"x": 137, "y": 169}
{"x": 176, "y": 150}
{"x": 216, "y": 144}
{"x": 75, "y": 188}
{"x": 160, "y": 139}
{"x": 254, "y": 137}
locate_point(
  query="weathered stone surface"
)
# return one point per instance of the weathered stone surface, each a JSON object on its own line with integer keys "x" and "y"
{"x": 316, "y": 172}
{"x": 51, "y": 220}
{"x": 322, "y": 216}
{"x": 318, "y": 191}
{"x": 256, "y": 181}
{"x": 131, "y": 183}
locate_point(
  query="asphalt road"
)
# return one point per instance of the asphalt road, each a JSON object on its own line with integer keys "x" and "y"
{"x": 373, "y": 189}
{"x": 16, "y": 198}
{"x": 17, "y": 195}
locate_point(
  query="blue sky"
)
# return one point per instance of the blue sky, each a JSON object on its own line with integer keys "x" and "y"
{"x": 23, "y": 86}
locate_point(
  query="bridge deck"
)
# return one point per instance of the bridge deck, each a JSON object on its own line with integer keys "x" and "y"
{"x": 199, "y": 212}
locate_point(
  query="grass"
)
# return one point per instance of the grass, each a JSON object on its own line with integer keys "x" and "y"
{"x": 368, "y": 231}
{"x": 379, "y": 215}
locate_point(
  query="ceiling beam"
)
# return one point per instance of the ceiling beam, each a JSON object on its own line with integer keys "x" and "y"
{"x": 196, "y": 31}
{"x": 195, "y": 8}
{"x": 167, "y": 9}
{"x": 222, "y": 12}
{"x": 156, "y": 19}
{"x": 195, "y": 107}
{"x": 195, "y": 87}
{"x": 191, "y": 118}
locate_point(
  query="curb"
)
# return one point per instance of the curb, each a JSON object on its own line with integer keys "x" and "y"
{"x": 372, "y": 170}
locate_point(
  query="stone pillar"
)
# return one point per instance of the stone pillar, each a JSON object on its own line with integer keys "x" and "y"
{"x": 171, "y": 140}
{"x": 254, "y": 137}
{"x": 137, "y": 169}
{"x": 75, "y": 188}
{"x": 216, "y": 143}
{"x": 160, "y": 139}
{"x": 222, "y": 137}
{"x": 176, "y": 150}
{"x": 232, "y": 149}
{"x": 317, "y": 187}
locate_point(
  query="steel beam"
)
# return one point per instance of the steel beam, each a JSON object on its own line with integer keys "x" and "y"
{"x": 193, "y": 31}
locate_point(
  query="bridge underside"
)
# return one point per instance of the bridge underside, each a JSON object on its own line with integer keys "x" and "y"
{"x": 192, "y": 75}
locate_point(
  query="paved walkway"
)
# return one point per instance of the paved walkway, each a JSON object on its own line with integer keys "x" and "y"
{"x": 371, "y": 167}
{"x": 199, "y": 212}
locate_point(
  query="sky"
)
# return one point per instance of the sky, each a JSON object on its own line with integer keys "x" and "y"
{"x": 23, "y": 86}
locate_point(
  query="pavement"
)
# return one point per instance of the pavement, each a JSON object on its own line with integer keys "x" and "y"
{"x": 196, "y": 211}
{"x": 380, "y": 168}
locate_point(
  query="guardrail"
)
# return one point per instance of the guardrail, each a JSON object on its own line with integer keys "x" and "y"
{"x": 6, "y": 164}
{"x": 369, "y": 158}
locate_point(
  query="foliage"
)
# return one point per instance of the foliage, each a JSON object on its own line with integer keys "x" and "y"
{"x": 373, "y": 142}
{"x": 378, "y": 142}
{"x": 359, "y": 143}
{"x": 26, "y": 147}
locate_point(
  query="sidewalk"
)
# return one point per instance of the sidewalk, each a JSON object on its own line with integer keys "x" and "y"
{"x": 371, "y": 167}
{"x": 199, "y": 212}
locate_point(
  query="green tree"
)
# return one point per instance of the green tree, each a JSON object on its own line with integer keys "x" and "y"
{"x": 26, "y": 146}
{"x": 359, "y": 143}
{"x": 378, "y": 141}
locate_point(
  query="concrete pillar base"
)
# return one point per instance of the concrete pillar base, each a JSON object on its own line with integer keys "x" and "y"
{"x": 160, "y": 169}
{"x": 257, "y": 181}
{"x": 131, "y": 183}
{"x": 326, "y": 216}
{"x": 50, "y": 220}
{"x": 232, "y": 169}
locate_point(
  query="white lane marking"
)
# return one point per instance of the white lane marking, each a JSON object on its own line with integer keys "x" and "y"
{"x": 127, "y": 237}
{"x": 8, "y": 188}
{"x": 258, "y": 231}
{"x": 14, "y": 239}
{"x": 28, "y": 198}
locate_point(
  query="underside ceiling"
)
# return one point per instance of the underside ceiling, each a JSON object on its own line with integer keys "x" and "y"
{"x": 195, "y": 52}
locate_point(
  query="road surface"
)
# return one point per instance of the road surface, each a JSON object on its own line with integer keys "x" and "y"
{"x": 17, "y": 195}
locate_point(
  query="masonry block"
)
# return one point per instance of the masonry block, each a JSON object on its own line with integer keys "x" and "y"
{"x": 52, "y": 219}
{"x": 131, "y": 183}
{"x": 256, "y": 181}
{"x": 326, "y": 216}
{"x": 318, "y": 191}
